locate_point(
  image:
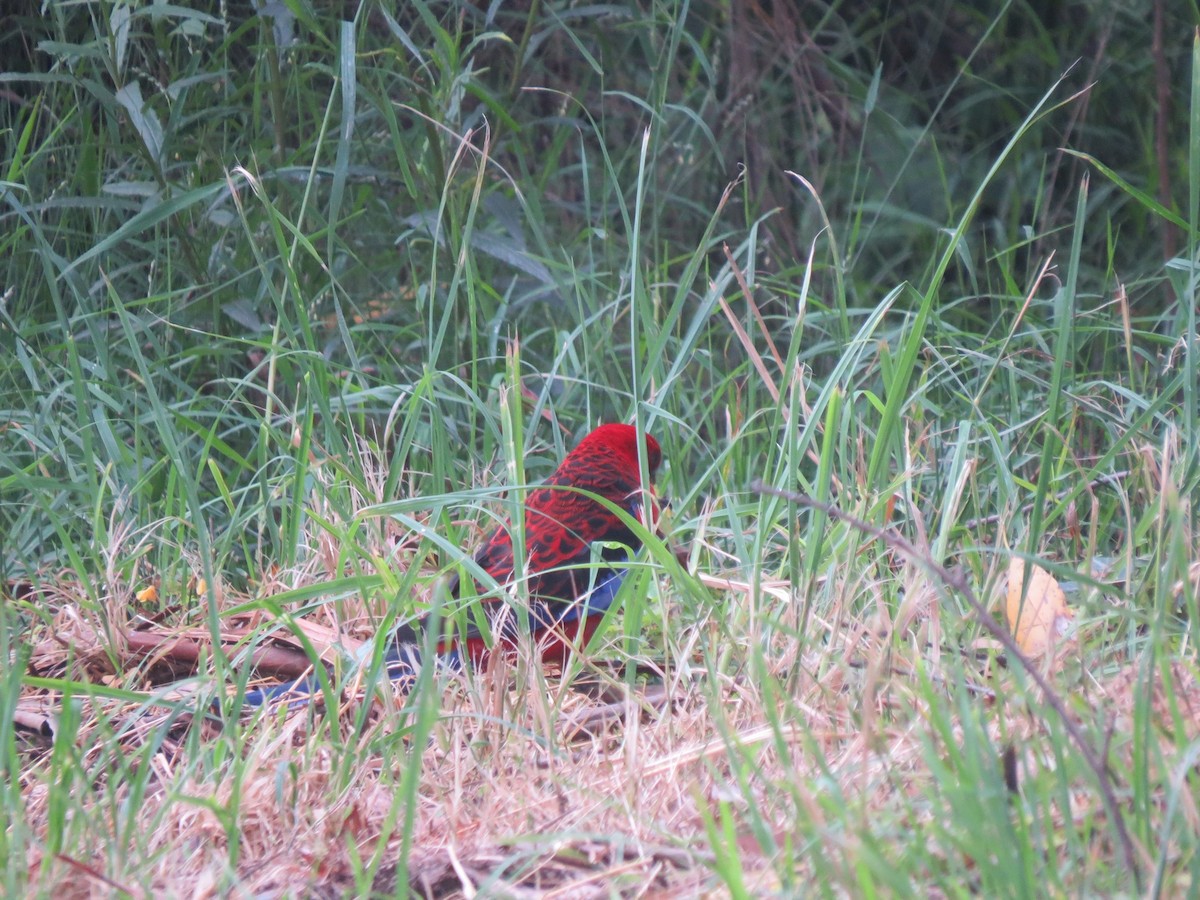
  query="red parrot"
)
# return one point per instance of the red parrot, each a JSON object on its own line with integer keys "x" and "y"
{"x": 561, "y": 524}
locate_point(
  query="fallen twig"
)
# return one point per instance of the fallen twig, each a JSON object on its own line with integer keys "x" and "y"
{"x": 282, "y": 662}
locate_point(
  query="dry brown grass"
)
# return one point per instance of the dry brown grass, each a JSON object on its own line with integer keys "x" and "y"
{"x": 529, "y": 787}
{"x": 526, "y": 784}
{"x": 791, "y": 763}
{"x": 523, "y": 788}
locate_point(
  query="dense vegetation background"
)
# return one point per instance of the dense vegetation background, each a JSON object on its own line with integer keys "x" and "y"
{"x": 385, "y": 201}
{"x": 264, "y": 264}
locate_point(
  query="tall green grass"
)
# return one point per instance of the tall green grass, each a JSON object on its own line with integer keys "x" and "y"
{"x": 289, "y": 302}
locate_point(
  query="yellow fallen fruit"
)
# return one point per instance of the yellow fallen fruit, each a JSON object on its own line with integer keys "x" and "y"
{"x": 1042, "y": 619}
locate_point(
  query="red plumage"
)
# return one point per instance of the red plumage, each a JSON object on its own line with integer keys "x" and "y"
{"x": 561, "y": 525}
{"x": 567, "y": 596}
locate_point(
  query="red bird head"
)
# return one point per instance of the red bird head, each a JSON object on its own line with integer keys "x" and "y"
{"x": 621, "y": 439}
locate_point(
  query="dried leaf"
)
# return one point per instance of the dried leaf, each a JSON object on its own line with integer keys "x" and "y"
{"x": 1043, "y": 617}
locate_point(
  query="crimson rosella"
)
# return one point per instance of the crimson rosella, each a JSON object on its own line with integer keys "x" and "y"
{"x": 568, "y": 593}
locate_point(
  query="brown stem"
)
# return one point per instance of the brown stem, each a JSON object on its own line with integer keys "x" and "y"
{"x": 277, "y": 661}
